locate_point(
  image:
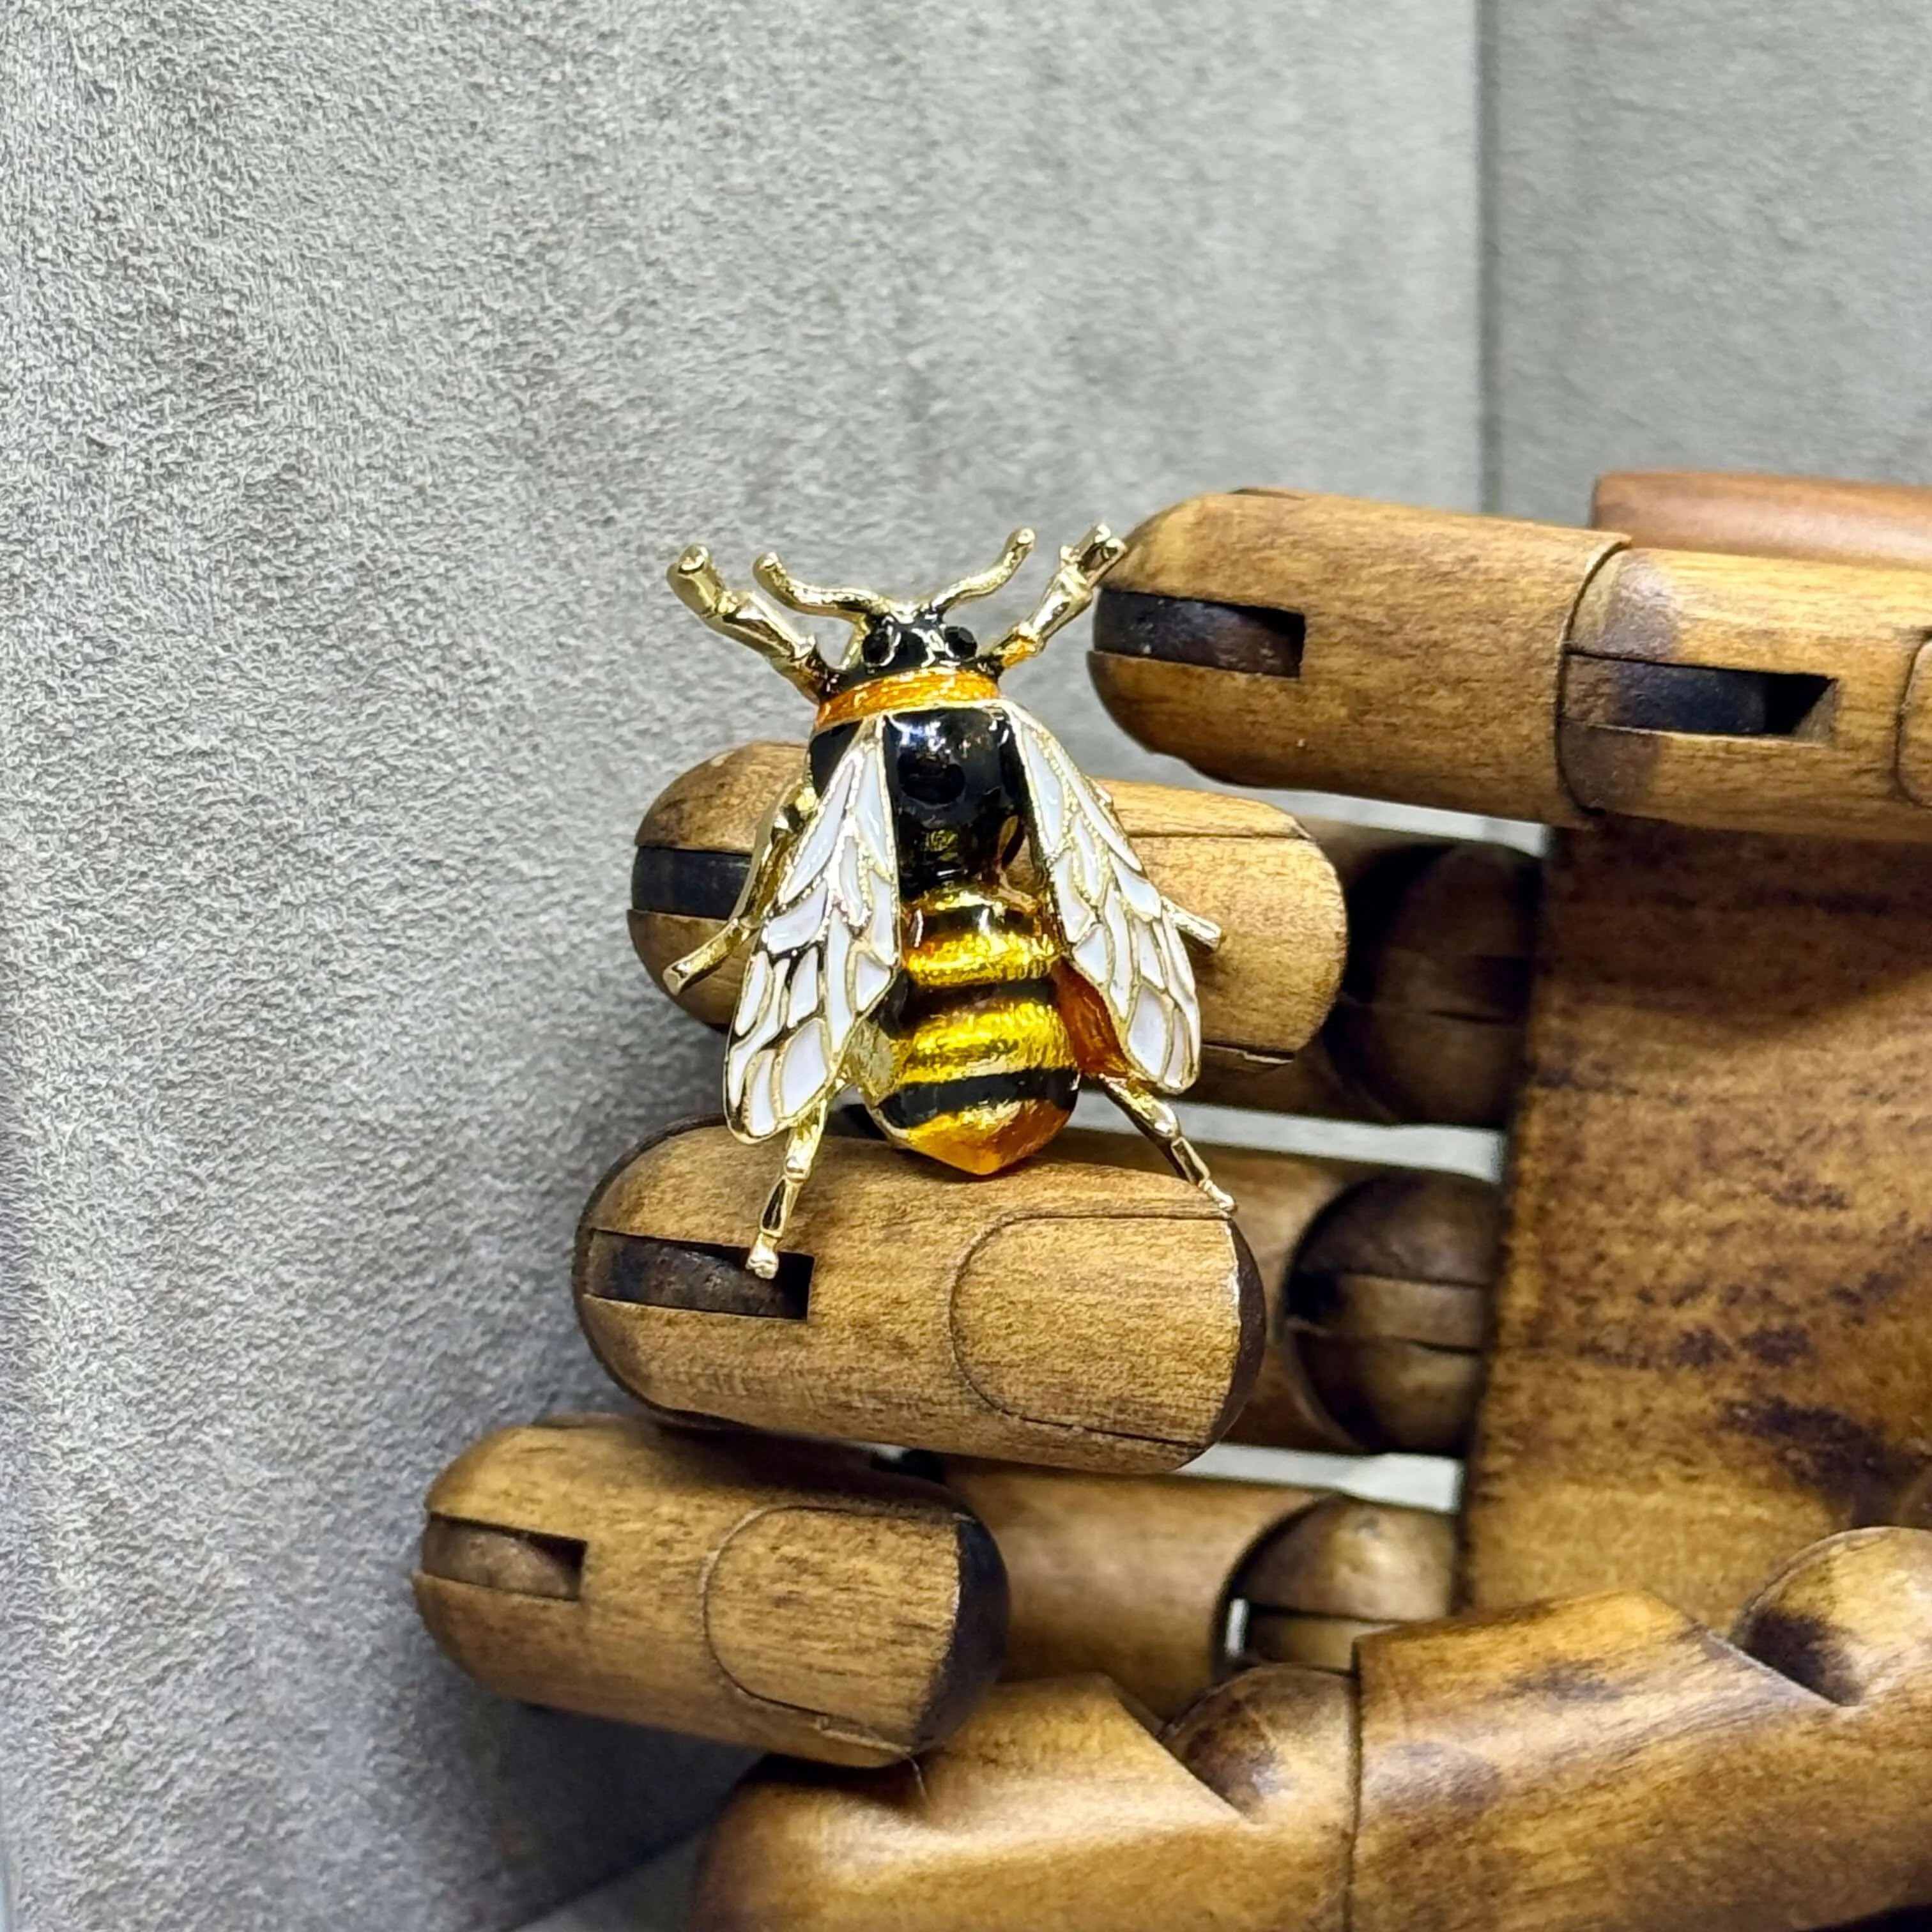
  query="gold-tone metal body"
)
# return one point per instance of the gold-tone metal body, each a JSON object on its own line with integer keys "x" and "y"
{"x": 981, "y": 1011}
{"x": 889, "y": 947}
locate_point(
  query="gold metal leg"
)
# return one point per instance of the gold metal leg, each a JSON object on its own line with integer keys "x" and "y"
{"x": 706, "y": 959}
{"x": 801, "y": 1151}
{"x": 782, "y": 829}
{"x": 1204, "y": 932}
{"x": 1156, "y": 1120}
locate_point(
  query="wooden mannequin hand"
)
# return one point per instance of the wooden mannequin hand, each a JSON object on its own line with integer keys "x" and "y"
{"x": 1711, "y": 1343}
{"x": 1603, "y": 1762}
{"x": 1695, "y": 1369}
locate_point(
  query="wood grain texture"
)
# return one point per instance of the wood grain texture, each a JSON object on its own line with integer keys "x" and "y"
{"x": 1824, "y": 759}
{"x": 1431, "y": 659}
{"x": 1600, "y": 1762}
{"x": 1388, "y": 1311}
{"x": 1914, "y": 731}
{"x": 786, "y": 1595}
{"x": 1428, "y": 1025}
{"x": 1340, "y": 1571}
{"x": 1126, "y": 1576}
{"x": 1278, "y": 1199}
{"x": 1318, "y": 1641}
{"x": 1061, "y": 1313}
{"x": 1238, "y": 861}
{"x": 1523, "y": 669}
{"x": 1655, "y": 1777}
{"x": 1376, "y": 1284}
{"x": 1814, "y": 519}
{"x": 1058, "y": 1809}
{"x": 1423, "y": 1024}
{"x": 1715, "y": 1326}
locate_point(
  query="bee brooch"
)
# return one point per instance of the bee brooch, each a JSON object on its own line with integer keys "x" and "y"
{"x": 942, "y": 912}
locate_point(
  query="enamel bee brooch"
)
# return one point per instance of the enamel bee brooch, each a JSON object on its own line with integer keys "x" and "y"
{"x": 942, "y": 913}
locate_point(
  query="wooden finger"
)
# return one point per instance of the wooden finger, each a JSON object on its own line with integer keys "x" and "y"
{"x": 1377, "y": 1285}
{"x": 1239, "y": 863}
{"x": 1813, "y": 519}
{"x": 1146, "y": 1578}
{"x": 1130, "y": 1576}
{"x": 1604, "y": 1762}
{"x": 1503, "y": 666}
{"x": 1425, "y": 1023}
{"x": 1059, "y": 1313}
{"x": 1631, "y": 1748}
{"x": 1429, "y": 659}
{"x": 1675, "y": 666}
{"x": 786, "y": 1595}
{"x": 1058, "y": 1808}
{"x": 1387, "y": 1312}
{"x": 1746, "y": 693}
{"x": 1442, "y": 936}
{"x": 1340, "y": 1571}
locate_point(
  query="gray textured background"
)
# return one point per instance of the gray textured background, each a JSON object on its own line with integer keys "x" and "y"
{"x": 365, "y": 363}
{"x": 1710, "y": 241}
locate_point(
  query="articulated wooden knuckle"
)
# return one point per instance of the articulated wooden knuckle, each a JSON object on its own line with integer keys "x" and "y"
{"x": 1808, "y": 520}
{"x": 1431, "y": 961}
{"x": 1603, "y": 1764}
{"x": 1149, "y": 1580}
{"x": 1339, "y": 1572}
{"x": 1428, "y": 1024}
{"x": 1059, "y": 1313}
{"x": 788, "y": 1596}
{"x": 1377, "y": 1286}
{"x": 1498, "y": 666}
{"x": 1658, "y": 1777}
{"x": 1849, "y": 1617}
{"x": 1381, "y": 1310}
{"x": 1058, "y": 1808}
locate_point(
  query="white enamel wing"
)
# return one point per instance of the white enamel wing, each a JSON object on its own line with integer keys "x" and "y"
{"x": 825, "y": 955}
{"x": 1119, "y": 932}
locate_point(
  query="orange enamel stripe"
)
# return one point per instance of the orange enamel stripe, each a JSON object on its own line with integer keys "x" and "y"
{"x": 905, "y": 691}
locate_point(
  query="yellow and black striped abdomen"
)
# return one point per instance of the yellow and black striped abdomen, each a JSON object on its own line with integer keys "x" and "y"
{"x": 978, "y": 1069}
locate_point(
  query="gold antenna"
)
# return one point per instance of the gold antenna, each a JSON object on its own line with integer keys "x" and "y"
{"x": 983, "y": 584}
{"x": 846, "y": 601}
{"x": 738, "y": 615}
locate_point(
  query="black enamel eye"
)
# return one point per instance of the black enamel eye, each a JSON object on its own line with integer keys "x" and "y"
{"x": 876, "y": 648}
{"x": 961, "y": 642}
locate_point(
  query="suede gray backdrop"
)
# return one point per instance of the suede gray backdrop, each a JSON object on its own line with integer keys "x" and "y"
{"x": 367, "y": 362}
{"x": 1709, "y": 241}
